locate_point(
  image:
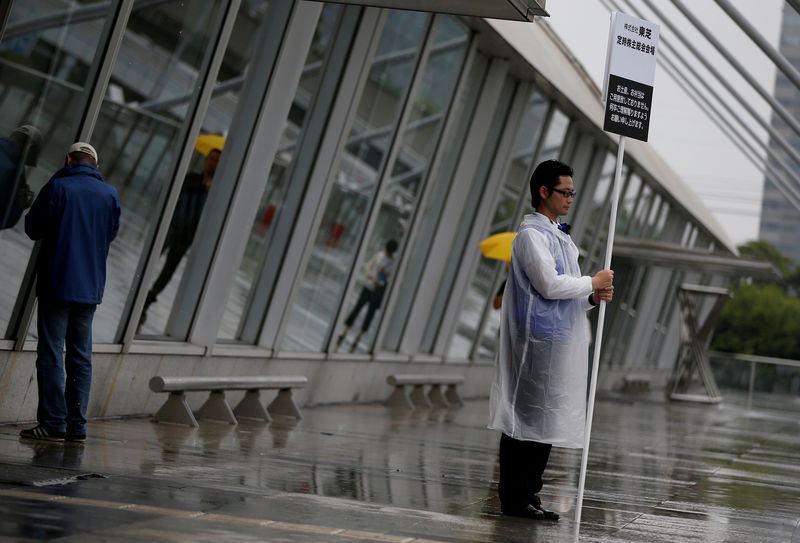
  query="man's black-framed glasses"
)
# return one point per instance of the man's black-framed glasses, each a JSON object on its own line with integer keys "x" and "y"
{"x": 567, "y": 193}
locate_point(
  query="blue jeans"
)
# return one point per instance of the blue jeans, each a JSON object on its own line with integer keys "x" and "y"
{"x": 62, "y": 404}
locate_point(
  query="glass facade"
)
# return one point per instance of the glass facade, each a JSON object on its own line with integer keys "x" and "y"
{"x": 363, "y": 163}
{"x": 44, "y": 66}
{"x": 139, "y": 128}
{"x": 174, "y": 100}
{"x": 261, "y": 236}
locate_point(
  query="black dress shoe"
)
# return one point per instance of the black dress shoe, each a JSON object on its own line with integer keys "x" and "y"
{"x": 526, "y": 511}
{"x": 549, "y": 515}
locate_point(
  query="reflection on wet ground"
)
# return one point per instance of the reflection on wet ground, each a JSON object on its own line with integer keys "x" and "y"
{"x": 657, "y": 472}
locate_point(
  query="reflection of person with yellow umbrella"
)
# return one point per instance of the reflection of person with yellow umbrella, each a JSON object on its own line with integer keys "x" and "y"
{"x": 498, "y": 247}
{"x": 187, "y": 214}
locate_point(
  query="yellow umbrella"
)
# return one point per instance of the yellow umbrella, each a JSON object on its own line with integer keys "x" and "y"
{"x": 498, "y": 246}
{"x": 207, "y": 142}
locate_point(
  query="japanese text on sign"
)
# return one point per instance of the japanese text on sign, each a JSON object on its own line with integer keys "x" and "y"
{"x": 639, "y": 30}
{"x": 630, "y": 75}
{"x": 628, "y": 108}
{"x": 637, "y": 45}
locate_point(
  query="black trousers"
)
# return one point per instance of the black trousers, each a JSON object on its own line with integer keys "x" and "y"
{"x": 174, "y": 255}
{"x": 521, "y": 466}
{"x": 370, "y": 298}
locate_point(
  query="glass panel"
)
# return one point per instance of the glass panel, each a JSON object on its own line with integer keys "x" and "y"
{"x": 658, "y": 230}
{"x": 279, "y": 176}
{"x": 481, "y": 291}
{"x": 525, "y": 144}
{"x": 629, "y": 199}
{"x": 355, "y": 182}
{"x": 152, "y": 82}
{"x": 416, "y": 257}
{"x": 491, "y": 331}
{"x": 602, "y": 195}
{"x": 642, "y": 210}
{"x": 551, "y": 148}
{"x": 45, "y": 58}
{"x": 652, "y": 217}
{"x": 417, "y": 146}
{"x": 470, "y": 209}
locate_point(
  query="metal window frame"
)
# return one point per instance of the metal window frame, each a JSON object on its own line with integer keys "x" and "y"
{"x": 588, "y": 186}
{"x": 96, "y": 84}
{"x": 483, "y": 217}
{"x": 196, "y": 109}
{"x": 518, "y": 214}
{"x": 417, "y": 224}
{"x": 264, "y": 104}
{"x": 321, "y": 179}
{"x": 581, "y": 160}
{"x": 593, "y": 253}
{"x": 5, "y": 13}
{"x": 390, "y": 158}
{"x": 487, "y": 158}
{"x": 461, "y": 181}
{"x": 412, "y": 267}
{"x": 280, "y": 233}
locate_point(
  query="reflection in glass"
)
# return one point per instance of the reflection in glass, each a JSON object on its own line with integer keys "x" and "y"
{"x": 482, "y": 289}
{"x": 478, "y": 182}
{"x": 554, "y": 139}
{"x": 477, "y": 309}
{"x": 592, "y": 243}
{"x": 251, "y": 20}
{"x": 441, "y": 183}
{"x": 525, "y": 145}
{"x": 628, "y": 202}
{"x": 278, "y": 179}
{"x": 355, "y": 182}
{"x": 44, "y": 61}
{"x": 142, "y": 115}
{"x": 417, "y": 145}
{"x": 637, "y": 224}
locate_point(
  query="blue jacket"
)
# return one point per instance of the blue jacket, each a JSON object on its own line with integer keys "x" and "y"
{"x": 76, "y": 215}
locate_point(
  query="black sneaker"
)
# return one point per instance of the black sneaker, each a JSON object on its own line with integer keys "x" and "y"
{"x": 41, "y": 432}
{"x": 77, "y": 438}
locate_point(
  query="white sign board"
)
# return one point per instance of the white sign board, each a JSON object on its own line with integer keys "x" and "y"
{"x": 630, "y": 75}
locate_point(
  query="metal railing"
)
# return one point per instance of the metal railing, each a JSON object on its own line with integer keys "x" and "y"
{"x": 754, "y": 360}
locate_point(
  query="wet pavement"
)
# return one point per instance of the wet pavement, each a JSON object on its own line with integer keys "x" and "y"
{"x": 657, "y": 472}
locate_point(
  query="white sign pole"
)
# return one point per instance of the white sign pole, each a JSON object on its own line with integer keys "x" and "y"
{"x": 598, "y": 341}
{"x": 627, "y": 93}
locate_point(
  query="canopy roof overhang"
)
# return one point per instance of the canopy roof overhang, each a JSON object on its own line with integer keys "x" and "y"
{"x": 539, "y": 47}
{"x": 677, "y": 257}
{"x": 513, "y": 10}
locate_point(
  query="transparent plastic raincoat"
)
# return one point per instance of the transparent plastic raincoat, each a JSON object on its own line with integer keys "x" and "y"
{"x": 539, "y": 390}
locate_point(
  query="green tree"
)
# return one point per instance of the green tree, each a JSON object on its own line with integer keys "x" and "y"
{"x": 761, "y": 320}
{"x": 762, "y": 250}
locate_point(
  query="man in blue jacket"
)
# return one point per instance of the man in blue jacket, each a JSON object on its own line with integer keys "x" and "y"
{"x": 76, "y": 215}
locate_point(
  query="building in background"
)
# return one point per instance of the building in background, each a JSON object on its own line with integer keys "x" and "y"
{"x": 780, "y": 220}
{"x": 341, "y": 126}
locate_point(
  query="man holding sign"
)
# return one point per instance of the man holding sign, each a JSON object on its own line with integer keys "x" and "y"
{"x": 538, "y": 398}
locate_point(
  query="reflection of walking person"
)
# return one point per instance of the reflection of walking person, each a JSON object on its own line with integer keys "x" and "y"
{"x": 75, "y": 215}
{"x": 377, "y": 271}
{"x": 184, "y": 224}
{"x": 19, "y": 149}
{"x": 538, "y": 398}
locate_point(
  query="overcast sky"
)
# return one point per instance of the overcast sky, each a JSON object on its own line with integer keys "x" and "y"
{"x": 728, "y": 183}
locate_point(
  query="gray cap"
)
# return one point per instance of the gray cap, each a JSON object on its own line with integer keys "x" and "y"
{"x": 82, "y": 147}
{"x": 29, "y": 139}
